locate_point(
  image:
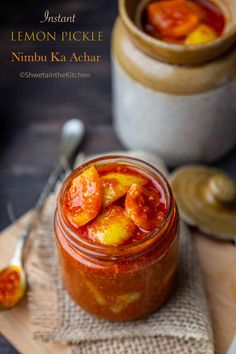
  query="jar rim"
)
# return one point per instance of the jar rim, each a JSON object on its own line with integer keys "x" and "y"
{"x": 104, "y": 251}
{"x": 178, "y": 53}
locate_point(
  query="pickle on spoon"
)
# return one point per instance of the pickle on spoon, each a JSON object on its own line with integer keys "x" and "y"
{"x": 12, "y": 286}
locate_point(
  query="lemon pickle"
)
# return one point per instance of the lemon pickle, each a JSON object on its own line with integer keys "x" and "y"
{"x": 117, "y": 227}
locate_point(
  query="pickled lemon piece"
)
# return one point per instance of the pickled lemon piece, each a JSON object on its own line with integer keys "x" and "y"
{"x": 96, "y": 293}
{"x": 144, "y": 206}
{"x": 202, "y": 34}
{"x": 12, "y": 286}
{"x": 174, "y": 18}
{"x": 115, "y": 185}
{"x": 84, "y": 198}
{"x": 112, "y": 227}
{"x": 122, "y": 301}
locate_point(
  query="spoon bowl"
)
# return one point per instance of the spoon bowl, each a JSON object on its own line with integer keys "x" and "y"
{"x": 72, "y": 134}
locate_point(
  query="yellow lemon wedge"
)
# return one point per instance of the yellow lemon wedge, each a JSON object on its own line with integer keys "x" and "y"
{"x": 122, "y": 301}
{"x": 201, "y": 34}
{"x": 115, "y": 185}
{"x": 112, "y": 227}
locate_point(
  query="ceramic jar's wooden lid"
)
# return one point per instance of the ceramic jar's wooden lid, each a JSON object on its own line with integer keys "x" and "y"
{"x": 207, "y": 199}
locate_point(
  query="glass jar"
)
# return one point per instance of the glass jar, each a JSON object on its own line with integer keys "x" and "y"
{"x": 119, "y": 282}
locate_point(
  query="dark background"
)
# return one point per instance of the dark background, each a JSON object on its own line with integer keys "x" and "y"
{"x": 33, "y": 111}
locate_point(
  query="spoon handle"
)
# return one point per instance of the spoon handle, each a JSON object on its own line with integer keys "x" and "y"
{"x": 50, "y": 184}
{"x": 61, "y": 166}
{"x": 72, "y": 134}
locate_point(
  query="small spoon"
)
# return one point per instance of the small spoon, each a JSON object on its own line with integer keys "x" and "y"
{"x": 13, "y": 281}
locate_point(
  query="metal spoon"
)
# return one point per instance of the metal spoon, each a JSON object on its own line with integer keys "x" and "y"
{"x": 13, "y": 277}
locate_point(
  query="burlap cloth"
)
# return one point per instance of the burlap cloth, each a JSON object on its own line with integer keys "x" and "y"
{"x": 182, "y": 326}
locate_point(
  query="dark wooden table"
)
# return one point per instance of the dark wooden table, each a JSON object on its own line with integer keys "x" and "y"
{"x": 33, "y": 111}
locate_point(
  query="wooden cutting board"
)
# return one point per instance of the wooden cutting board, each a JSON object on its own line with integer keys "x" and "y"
{"x": 218, "y": 264}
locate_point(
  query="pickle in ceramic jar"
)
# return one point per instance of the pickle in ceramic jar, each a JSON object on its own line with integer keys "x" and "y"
{"x": 202, "y": 34}
{"x": 174, "y": 18}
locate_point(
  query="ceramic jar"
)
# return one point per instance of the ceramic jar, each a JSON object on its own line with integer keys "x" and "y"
{"x": 175, "y": 100}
